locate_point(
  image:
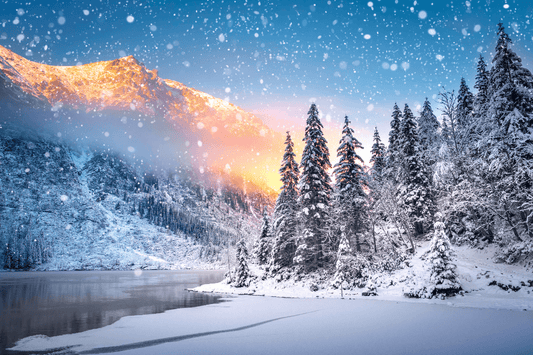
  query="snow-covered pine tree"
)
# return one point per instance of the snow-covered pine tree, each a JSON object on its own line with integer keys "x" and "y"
{"x": 314, "y": 200}
{"x": 428, "y": 134}
{"x": 263, "y": 247}
{"x": 415, "y": 184}
{"x": 506, "y": 145}
{"x": 285, "y": 223}
{"x": 481, "y": 98}
{"x": 242, "y": 271}
{"x": 442, "y": 280}
{"x": 343, "y": 267}
{"x": 510, "y": 84}
{"x": 393, "y": 157}
{"x": 378, "y": 157}
{"x": 440, "y": 260}
{"x": 465, "y": 109}
{"x": 350, "y": 198}
{"x": 376, "y": 181}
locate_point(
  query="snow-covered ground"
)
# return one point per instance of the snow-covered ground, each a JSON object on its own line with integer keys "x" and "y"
{"x": 486, "y": 320}
{"x": 475, "y": 269}
{"x": 268, "y": 325}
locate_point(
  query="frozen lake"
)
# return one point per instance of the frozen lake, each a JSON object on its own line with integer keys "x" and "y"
{"x": 56, "y": 303}
{"x": 270, "y": 326}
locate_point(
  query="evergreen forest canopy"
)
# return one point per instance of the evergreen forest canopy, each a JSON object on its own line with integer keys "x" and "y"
{"x": 467, "y": 179}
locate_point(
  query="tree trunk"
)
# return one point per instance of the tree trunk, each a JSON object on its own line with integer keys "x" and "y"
{"x": 509, "y": 219}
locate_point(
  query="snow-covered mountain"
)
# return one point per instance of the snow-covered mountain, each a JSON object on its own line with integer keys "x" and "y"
{"x": 126, "y": 85}
{"x": 216, "y": 133}
{"x": 108, "y": 166}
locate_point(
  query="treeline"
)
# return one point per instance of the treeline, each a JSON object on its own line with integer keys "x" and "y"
{"x": 22, "y": 249}
{"x": 149, "y": 196}
{"x": 176, "y": 220}
{"x": 474, "y": 167}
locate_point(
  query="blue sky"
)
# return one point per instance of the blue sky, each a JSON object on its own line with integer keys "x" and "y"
{"x": 275, "y": 57}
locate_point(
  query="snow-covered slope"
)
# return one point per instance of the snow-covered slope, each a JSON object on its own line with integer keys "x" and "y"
{"x": 65, "y": 209}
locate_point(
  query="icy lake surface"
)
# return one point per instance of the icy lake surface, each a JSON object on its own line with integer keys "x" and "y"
{"x": 270, "y": 326}
{"x": 56, "y": 303}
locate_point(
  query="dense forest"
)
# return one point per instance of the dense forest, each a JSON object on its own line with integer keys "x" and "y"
{"x": 464, "y": 179}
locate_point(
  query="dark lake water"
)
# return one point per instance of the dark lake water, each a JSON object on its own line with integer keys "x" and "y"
{"x": 56, "y": 303}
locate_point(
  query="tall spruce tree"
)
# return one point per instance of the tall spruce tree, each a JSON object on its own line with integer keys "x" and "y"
{"x": 378, "y": 157}
{"x": 507, "y": 142}
{"x": 510, "y": 85}
{"x": 285, "y": 222}
{"x": 375, "y": 183}
{"x": 428, "y": 127}
{"x": 315, "y": 196}
{"x": 393, "y": 158}
{"x": 350, "y": 198}
{"x": 415, "y": 187}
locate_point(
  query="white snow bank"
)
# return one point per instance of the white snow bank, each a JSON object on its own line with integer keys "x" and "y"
{"x": 264, "y": 325}
{"x": 475, "y": 270}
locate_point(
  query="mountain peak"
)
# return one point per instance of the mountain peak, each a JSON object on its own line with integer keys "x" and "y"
{"x": 126, "y": 86}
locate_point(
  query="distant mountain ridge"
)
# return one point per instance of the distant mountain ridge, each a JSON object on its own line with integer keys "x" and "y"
{"x": 227, "y": 135}
{"x": 125, "y": 84}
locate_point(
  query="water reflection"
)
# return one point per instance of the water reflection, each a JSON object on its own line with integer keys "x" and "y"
{"x": 55, "y": 303}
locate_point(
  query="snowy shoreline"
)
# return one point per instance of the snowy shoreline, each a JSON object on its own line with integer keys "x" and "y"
{"x": 290, "y": 318}
{"x": 478, "y": 274}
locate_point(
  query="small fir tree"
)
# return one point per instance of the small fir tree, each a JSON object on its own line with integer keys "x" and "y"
{"x": 442, "y": 279}
{"x": 378, "y": 157}
{"x": 242, "y": 272}
{"x": 445, "y": 133}
{"x": 343, "y": 269}
{"x": 440, "y": 260}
